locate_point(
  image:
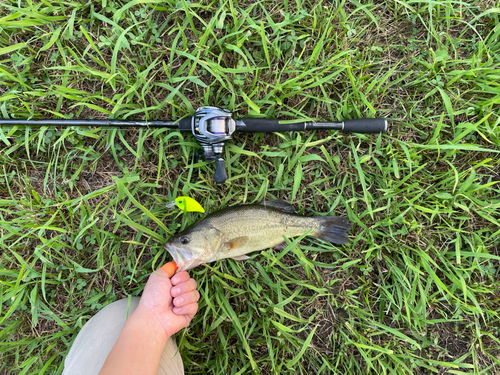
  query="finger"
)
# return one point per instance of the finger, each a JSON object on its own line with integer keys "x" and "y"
{"x": 184, "y": 287}
{"x": 190, "y": 309}
{"x": 179, "y": 278}
{"x": 186, "y": 298}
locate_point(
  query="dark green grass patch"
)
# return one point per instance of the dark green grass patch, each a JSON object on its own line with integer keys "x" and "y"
{"x": 82, "y": 211}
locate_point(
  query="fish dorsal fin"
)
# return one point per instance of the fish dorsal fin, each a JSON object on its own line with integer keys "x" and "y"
{"x": 241, "y": 257}
{"x": 279, "y": 204}
{"x": 236, "y": 242}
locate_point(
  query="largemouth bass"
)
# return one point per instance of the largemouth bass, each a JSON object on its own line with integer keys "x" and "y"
{"x": 235, "y": 231}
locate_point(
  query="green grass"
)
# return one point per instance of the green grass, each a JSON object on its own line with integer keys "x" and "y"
{"x": 82, "y": 211}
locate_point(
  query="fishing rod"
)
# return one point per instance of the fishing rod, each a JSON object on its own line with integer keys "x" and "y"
{"x": 213, "y": 127}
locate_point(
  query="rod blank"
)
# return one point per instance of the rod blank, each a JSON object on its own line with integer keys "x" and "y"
{"x": 110, "y": 123}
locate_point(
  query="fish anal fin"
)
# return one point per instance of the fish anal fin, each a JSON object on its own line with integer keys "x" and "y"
{"x": 281, "y": 246}
{"x": 279, "y": 204}
{"x": 241, "y": 257}
{"x": 236, "y": 242}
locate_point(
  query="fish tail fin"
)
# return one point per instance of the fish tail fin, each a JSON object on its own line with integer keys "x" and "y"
{"x": 334, "y": 229}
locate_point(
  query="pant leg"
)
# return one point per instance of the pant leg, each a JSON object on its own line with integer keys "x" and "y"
{"x": 98, "y": 336}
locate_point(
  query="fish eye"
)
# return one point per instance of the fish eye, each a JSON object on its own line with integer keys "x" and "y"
{"x": 184, "y": 240}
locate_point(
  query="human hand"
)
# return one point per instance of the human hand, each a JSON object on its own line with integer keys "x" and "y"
{"x": 172, "y": 302}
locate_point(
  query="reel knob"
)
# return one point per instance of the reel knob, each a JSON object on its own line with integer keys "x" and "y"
{"x": 220, "y": 174}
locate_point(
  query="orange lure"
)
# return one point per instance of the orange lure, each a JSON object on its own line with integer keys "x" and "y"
{"x": 169, "y": 268}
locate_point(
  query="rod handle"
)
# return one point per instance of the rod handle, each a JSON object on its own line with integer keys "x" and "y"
{"x": 264, "y": 125}
{"x": 365, "y": 125}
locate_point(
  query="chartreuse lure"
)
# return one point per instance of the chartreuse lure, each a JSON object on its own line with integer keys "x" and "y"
{"x": 186, "y": 204}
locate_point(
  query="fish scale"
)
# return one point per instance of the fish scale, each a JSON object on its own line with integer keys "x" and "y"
{"x": 264, "y": 226}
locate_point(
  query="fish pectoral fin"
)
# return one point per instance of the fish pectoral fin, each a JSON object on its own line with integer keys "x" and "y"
{"x": 241, "y": 257}
{"x": 236, "y": 242}
{"x": 279, "y": 204}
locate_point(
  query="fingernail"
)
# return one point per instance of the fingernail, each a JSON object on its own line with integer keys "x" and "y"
{"x": 179, "y": 301}
{"x": 175, "y": 291}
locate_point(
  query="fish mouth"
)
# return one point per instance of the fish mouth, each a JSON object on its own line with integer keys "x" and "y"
{"x": 178, "y": 256}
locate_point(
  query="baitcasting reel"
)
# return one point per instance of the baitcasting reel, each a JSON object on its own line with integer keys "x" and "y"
{"x": 212, "y": 127}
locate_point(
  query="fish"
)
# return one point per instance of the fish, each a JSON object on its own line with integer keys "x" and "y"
{"x": 235, "y": 231}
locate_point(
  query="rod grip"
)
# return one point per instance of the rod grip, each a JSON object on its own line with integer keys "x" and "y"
{"x": 365, "y": 125}
{"x": 264, "y": 125}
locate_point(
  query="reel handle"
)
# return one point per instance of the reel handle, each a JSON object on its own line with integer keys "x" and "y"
{"x": 220, "y": 174}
